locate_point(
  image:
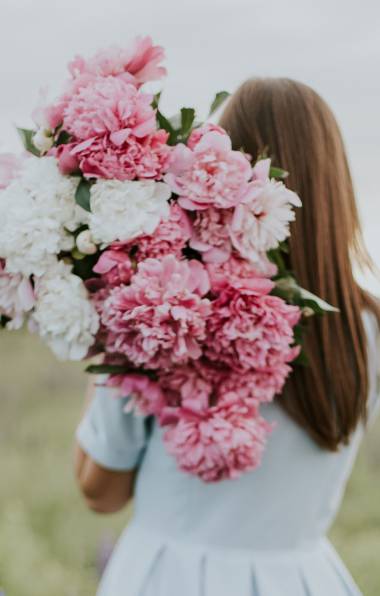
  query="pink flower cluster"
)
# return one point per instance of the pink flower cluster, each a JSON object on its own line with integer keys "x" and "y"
{"x": 160, "y": 318}
{"x": 218, "y": 345}
{"x": 138, "y": 64}
{"x": 222, "y": 442}
{"x": 110, "y": 122}
{"x": 208, "y": 173}
{"x": 249, "y": 329}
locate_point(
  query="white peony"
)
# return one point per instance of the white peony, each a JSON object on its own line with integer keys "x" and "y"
{"x": 122, "y": 210}
{"x": 64, "y": 316}
{"x": 43, "y": 180}
{"x": 16, "y": 298}
{"x": 36, "y": 210}
{"x": 262, "y": 222}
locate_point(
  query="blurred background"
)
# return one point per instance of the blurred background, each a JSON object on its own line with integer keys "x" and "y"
{"x": 49, "y": 543}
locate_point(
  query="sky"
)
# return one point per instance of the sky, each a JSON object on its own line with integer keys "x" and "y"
{"x": 333, "y": 45}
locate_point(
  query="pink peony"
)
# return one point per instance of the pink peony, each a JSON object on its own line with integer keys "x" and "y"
{"x": 237, "y": 272}
{"x": 249, "y": 329}
{"x": 10, "y": 165}
{"x": 109, "y": 106}
{"x": 200, "y": 384}
{"x": 191, "y": 385}
{"x": 222, "y": 442}
{"x": 256, "y": 386}
{"x": 198, "y": 133}
{"x": 134, "y": 158}
{"x": 211, "y": 234}
{"x": 145, "y": 395}
{"x": 170, "y": 237}
{"x": 259, "y": 385}
{"x": 114, "y": 266}
{"x": 138, "y": 64}
{"x": 16, "y": 297}
{"x": 160, "y": 318}
{"x": 135, "y": 65}
{"x": 210, "y": 174}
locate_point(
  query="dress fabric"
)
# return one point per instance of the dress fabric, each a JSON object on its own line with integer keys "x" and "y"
{"x": 263, "y": 534}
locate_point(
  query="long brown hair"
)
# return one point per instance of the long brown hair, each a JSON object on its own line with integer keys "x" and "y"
{"x": 293, "y": 125}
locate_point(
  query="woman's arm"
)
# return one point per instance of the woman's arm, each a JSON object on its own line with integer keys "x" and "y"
{"x": 105, "y": 491}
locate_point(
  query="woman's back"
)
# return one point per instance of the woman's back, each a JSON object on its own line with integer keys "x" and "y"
{"x": 262, "y": 534}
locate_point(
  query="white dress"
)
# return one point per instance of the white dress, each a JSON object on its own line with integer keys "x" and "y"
{"x": 263, "y": 534}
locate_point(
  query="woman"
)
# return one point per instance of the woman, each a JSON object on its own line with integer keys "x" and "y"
{"x": 263, "y": 534}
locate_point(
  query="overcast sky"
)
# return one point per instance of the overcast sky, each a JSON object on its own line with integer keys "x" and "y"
{"x": 211, "y": 45}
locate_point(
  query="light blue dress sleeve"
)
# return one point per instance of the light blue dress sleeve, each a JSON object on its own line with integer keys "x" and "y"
{"x": 112, "y": 437}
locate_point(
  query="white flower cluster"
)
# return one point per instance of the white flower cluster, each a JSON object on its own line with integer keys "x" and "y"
{"x": 36, "y": 211}
{"x": 65, "y": 318}
{"x": 122, "y": 210}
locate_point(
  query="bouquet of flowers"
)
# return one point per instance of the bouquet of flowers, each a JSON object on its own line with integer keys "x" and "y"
{"x": 153, "y": 242}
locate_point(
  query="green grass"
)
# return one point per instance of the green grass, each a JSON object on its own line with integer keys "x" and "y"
{"x": 49, "y": 540}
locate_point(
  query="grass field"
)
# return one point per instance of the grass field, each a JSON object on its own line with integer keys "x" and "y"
{"x": 49, "y": 542}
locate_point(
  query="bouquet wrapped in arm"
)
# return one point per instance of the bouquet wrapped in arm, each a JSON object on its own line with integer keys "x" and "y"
{"x": 155, "y": 243}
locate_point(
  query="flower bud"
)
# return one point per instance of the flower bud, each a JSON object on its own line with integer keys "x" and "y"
{"x": 85, "y": 243}
{"x": 43, "y": 140}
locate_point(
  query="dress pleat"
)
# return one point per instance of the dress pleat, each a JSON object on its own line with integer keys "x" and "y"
{"x": 277, "y": 578}
{"x": 226, "y": 576}
{"x": 149, "y": 564}
{"x": 179, "y": 573}
{"x": 133, "y": 562}
{"x": 321, "y": 577}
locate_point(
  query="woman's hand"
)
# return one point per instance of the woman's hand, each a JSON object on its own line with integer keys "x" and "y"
{"x": 104, "y": 490}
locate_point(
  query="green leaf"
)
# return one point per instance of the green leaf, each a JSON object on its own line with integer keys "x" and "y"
{"x": 287, "y": 288}
{"x": 83, "y": 194}
{"x": 116, "y": 369}
{"x": 106, "y": 369}
{"x": 156, "y": 100}
{"x": 298, "y": 331}
{"x": 187, "y": 120}
{"x": 301, "y": 360}
{"x": 26, "y": 136}
{"x": 164, "y": 123}
{"x": 63, "y": 138}
{"x": 278, "y": 173}
{"x": 321, "y": 305}
{"x": 219, "y": 99}
{"x": 275, "y": 256}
